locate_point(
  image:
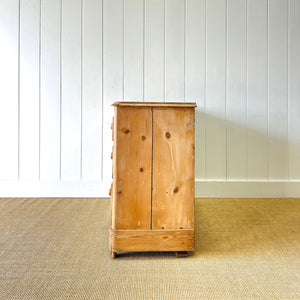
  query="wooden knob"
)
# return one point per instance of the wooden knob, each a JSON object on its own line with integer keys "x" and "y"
{"x": 111, "y": 126}
{"x": 109, "y": 192}
{"x": 111, "y": 155}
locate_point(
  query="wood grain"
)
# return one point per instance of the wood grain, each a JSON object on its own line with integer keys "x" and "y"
{"x": 152, "y": 240}
{"x": 132, "y": 168}
{"x": 173, "y": 168}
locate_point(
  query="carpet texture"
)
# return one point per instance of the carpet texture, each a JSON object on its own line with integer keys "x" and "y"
{"x": 58, "y": 249}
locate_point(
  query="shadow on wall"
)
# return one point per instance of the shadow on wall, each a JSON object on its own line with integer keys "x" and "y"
{"x": 231, "y": 150}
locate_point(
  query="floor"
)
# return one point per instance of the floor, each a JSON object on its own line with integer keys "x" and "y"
{"x": 58, "y": 249}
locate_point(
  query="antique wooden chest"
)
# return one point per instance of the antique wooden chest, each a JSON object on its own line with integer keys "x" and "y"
{"x": 152, "y": 194}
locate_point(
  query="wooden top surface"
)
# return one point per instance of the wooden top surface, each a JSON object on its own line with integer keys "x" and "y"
{"x": 159, "y": 104}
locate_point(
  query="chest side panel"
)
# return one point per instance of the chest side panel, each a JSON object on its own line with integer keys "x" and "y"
{"x": 132, "y": 168}
{"x": 173, "y": 168}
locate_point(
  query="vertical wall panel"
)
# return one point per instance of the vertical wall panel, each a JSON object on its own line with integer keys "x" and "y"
{"x": 63, "y": 64}
{"x": 133, "y": 49}
{"x": 29, "y": 89}
{"x": 50, "y": 90}
{"x": 257, "y": 90}
{"x": 236, "y": 97}
{"x": 195, "y": 75}
{"x": 174, "y": 49}
{"x": 215, "y": 89}
{"x": 154, "y": 51}
{"x": 112, "y": 73}
{"x": 277, "y": 90}
{"x": 91, "y": 90}
{"x": 9, "y": 48}
{"x": 294, "y": 90}
{"x": 71, "y": 91}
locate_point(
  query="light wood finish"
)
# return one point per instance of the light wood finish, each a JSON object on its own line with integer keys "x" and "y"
{"x": 173, "y": 168}
{"x": 156, "y": 104}
{"x": 152, "y": 205}
{"x": 152, "y": 240}
{"x": 132, "y": 168}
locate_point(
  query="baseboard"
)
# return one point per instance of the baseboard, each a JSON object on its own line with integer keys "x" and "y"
{"x": 76, "y": 189}
{"x": 247, "y": 189}
{"x": 204, "y": 189}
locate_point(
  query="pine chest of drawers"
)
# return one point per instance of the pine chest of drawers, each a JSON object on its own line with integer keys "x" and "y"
{"x": 152, "y": 194}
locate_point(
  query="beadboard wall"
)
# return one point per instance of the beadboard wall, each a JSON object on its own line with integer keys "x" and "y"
{"x": 64, "y": 62}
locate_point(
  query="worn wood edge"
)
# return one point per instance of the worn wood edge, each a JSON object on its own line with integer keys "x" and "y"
{"x": 152, "y": 240}
{"x": 114, "y": 168}
{"x": 156, "y": 104}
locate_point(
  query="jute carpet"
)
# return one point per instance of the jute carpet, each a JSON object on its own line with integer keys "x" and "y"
{"x": 58, "y": 249}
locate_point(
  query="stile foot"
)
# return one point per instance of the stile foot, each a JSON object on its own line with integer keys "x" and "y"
{"x": 180, "y": 254}
{"x": 113, "y": 254}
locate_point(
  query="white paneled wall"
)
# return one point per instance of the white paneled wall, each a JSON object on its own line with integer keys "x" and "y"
{"x": 64, "y": 62}
{"x": 9, "y": 89}
{"x": 50, "y": 90}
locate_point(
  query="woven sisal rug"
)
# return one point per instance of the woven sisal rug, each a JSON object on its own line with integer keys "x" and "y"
{"x": 58, "y": 249}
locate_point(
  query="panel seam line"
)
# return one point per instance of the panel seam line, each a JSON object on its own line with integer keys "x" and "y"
{"x": 151, "y": 168}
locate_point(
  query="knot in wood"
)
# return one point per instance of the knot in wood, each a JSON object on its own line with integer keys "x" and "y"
{"x": 141, "y": 169}
{"x": 124, "y": 130}
{"x": 143, "y": 138}
{"x": 175, "y": 189}
{"x": 168, "y": 135}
